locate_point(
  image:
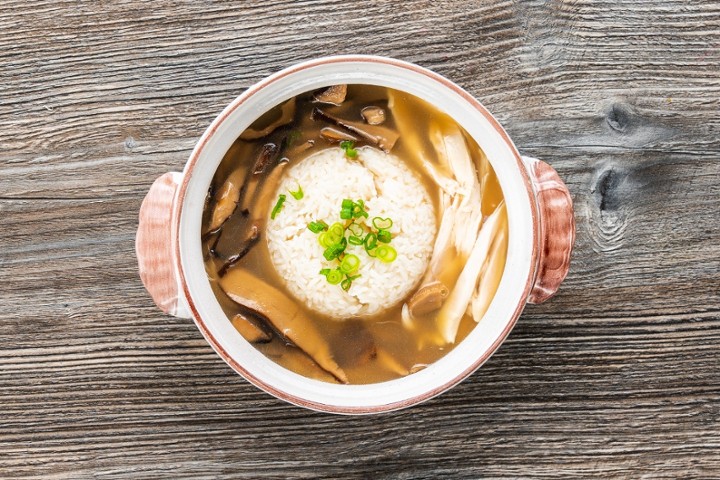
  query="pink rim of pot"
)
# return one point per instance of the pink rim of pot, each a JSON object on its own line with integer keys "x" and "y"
{"x": 553, "y": 235}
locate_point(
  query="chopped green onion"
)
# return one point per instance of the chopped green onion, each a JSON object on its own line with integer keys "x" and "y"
{"x": 334, "y": 251}
{"x": 348, "y": 147}
{"x": 278, "y": 206}
{"x": 370, "y": 241}
{"x": 384, "y": 236}
{"x": 385, "y": 253}
{"x": 324, "y": 271}
{"x": 350, "y": 263}
{"x": 298, "y": 195}
{"x": 352, "y": 278}
{"x": 346, "y": 284}
{"x": 382, "y": 223}
{"x": 334, "y": 277}
{"x": 355, "y": 229}
{"x": 355, "y": 240}
{"x": 347, "y": 203}
{"x": 336, "y": 231}
{"x": 346, "y": 214}
{"x": 317, "y": 227}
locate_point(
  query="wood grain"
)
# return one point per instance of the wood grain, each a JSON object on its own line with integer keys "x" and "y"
{"x": 616, "y": 377}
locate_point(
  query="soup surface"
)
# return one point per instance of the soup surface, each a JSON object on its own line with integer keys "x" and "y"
{"x": 354, "y": 234}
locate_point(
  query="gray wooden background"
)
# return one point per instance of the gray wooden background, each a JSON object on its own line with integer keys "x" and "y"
{"x": 616, "y": 377}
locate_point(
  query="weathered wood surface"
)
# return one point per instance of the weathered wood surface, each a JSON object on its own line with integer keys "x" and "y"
{"x": 618, "y": 376}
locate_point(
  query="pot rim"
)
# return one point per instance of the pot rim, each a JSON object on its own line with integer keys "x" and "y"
{"x": 217, "y": 345}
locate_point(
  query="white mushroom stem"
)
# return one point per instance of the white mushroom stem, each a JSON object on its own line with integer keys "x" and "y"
{"x": 454, "y": 308}
{"x": 491, "y": 273}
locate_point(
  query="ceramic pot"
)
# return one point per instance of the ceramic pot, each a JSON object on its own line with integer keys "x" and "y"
{"x": 540, "y": 222}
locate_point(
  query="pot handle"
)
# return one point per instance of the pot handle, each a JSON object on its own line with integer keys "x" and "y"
{"x": 154, "y": 246}
{"x": 556, "y": 232}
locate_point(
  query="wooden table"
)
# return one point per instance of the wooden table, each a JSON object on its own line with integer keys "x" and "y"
{"x": 618, "y": 376}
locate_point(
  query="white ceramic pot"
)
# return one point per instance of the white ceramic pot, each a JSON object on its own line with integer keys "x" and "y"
{"x": 541, "y": 235}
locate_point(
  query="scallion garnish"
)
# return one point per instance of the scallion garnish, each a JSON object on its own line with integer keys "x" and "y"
{"x": 385, "y": 253}
{"x": 297, "y": 195}
{"x": 317, "y": 227}
{"x": 334, "y": 251}
{"x": 334, "y": 277}
{"x": 355, "y": 229}
{"x": 350, "y": 263}
{"x": 278, "y": 206}
{"x": 348, "y": 147}
{"x": 336, "y": 232}
{"x": 382, "y": 223}
{"x": 370, "y": 241}
{"x": 335, "y": 239}
{"x": 355, "y": 240}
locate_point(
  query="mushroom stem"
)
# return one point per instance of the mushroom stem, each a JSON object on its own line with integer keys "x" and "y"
{"x": 380, "y": 136}
{"x": 284, "y": 314}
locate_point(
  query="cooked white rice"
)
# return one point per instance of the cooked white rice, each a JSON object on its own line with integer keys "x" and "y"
{"x": 389, "y": 189}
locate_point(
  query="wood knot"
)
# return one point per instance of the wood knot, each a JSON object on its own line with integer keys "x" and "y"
{"x": 609, "y": 216}
{"x": 621, "y": 117}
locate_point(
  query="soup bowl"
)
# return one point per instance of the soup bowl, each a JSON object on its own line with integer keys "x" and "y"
{"x": 540, "y": 224}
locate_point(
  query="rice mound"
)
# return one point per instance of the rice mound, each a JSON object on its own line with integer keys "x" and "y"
{"x": 389, "y": 189}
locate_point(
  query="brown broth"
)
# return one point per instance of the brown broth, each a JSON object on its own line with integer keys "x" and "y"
{"x": 369, "y": 349}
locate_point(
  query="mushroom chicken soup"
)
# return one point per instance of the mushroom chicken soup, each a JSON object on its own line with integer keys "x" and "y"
{"x": 354, "y": 234}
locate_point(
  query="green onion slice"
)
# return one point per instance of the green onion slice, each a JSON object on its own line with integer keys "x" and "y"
{"x": 317, "y": 227}
{"x": 382, "y": 223}
{"x": 297, "y": 195}
{"x": 348, "y": 147}
{"x": 384, "y": 236}
{"x": 355, "y": 240}
{"x": 370, "y": 241}
{"x": 346, "y": 284}
{"x": 350, "y": 263}
{"x": 385, "y": 253}
{"x": 355, "y": 229}
{"x": 334, "y": 277}
{"x": 334, "y": 251}
{"x": 278, "y": 206}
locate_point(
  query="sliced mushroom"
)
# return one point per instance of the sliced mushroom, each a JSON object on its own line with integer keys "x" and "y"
{"x": 360, "y": 345}
{"x": 428, "y": 298}
{"x": 263, "y": 195}
{"x": 380, "y": 136}
{"x": 335, "y": 135}
{"x": 240, "y": 223}
{"x": 283, "y": 313}
{"x": 267, "y": 155}
{"x": 287, "y": 113}
{"x": 391, "y": 363}
{"x": 245, "y": 246}
{"x": 373, "y": 115}
{"x": 334, "y": 95}
{"x": 249, "y": 330}
{"x": 297, "y": 361}
{"x": 226, "y": 199}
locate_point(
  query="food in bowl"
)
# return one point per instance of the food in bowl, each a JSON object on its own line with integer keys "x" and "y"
{"x": 354, "y": 234}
